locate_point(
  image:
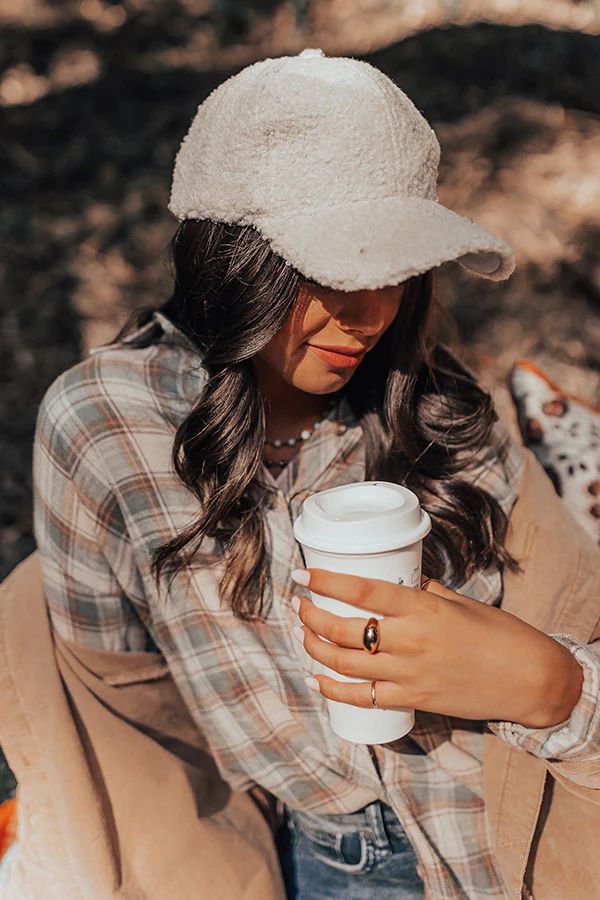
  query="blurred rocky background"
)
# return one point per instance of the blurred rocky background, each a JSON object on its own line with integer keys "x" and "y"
{"x": 95, "y": 97}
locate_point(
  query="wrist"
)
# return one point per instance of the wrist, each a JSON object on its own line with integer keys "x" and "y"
{"x": 557, "y": 691}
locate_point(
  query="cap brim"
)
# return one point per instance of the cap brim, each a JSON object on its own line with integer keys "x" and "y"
{"x": 369, "y": 244}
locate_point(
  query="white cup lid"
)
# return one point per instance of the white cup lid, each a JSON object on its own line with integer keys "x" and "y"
{"x": 364, "y": 517}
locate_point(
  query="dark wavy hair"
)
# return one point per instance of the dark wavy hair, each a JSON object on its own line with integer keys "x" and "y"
{"x": 425, "y": 419}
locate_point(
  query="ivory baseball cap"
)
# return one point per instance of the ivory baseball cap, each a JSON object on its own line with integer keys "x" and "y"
{"x": 337, "y": 169}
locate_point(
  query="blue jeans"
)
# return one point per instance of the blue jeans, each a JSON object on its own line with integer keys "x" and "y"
{"x": 364, "y": 855}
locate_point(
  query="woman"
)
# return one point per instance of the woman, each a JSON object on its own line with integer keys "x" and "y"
{"x": 293, "y": 355}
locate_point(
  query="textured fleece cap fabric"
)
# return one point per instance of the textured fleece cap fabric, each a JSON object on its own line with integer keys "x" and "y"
{"x": 335, "y": 166}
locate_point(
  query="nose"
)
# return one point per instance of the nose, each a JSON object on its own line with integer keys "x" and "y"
{"x": 361, "y": 311}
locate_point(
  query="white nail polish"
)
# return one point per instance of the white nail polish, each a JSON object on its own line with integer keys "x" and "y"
{"x": 301, "y": 576}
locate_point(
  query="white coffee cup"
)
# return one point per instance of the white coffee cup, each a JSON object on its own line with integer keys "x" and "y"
{"x": 374, "y": 529}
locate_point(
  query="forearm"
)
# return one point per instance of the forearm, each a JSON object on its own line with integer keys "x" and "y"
{"x": 568, "y": 723}
{"x": 549, "y": 699}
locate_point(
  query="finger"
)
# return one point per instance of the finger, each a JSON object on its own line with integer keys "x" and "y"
{"x": 352, "y": 663}
{"x": 344, "y": 631}
{"x": 436, "y": 587}
{"x": 387, "y": 694}
{"x": 373, "y": 594}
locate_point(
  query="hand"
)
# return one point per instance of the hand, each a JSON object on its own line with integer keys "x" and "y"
{"x": 440, "y": 652}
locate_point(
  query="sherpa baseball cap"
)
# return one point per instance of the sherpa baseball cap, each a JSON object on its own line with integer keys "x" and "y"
{"x": 335, "y": 166}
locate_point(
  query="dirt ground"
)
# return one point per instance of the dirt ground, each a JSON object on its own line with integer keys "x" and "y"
{"x": 95, "y": 98}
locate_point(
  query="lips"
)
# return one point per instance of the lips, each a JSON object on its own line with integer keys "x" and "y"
{"x": 336, "y": 358}
{"x": 345, "y": 351}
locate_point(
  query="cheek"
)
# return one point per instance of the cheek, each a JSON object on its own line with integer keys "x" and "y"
{"x": 288, "y": 347}
{"x": 283, "y": 351}
{"x": 393, "y": 312}
{"x": 276, "y": 354}
{"x": 390, "y": 311}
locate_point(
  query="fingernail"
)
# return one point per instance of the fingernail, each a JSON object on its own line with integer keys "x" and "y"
{"x": 298, "y": 633}
{"x": 296, "y": 604}
{"x": 301, "y": 576}
{"x": 312, "y": 683}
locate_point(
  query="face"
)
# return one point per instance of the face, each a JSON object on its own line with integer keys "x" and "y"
{"x": 350, "y": 321}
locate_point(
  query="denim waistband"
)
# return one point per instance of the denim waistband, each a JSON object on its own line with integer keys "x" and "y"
{"x": 370, "y": 818}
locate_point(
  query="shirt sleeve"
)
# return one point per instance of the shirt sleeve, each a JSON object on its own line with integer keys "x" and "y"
{"x": 91, "y": 582}
{"x": 578, "y": 737}
{"x": 109, "y": 436}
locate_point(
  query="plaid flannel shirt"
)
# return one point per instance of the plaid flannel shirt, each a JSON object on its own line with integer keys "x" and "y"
{"x": 106, "y": 495}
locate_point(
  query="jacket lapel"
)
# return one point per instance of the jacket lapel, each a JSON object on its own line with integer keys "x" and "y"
{"x": 557, "y": 557}
{"x": 554, "y": 593}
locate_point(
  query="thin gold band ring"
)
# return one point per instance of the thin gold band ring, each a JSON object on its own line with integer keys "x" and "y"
{"x": 373, "y": 697}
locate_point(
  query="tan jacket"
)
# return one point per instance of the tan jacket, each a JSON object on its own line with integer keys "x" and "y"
{"x": 116, "y": 796}
{"x": 545, "y": 829}
{"x": 118, "y": 799}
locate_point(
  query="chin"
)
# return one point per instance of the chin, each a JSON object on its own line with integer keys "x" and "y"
{"x": 320, "y": 384}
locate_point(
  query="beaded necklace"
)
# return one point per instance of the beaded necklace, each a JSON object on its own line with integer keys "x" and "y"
{"x": 291, "y": 442}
